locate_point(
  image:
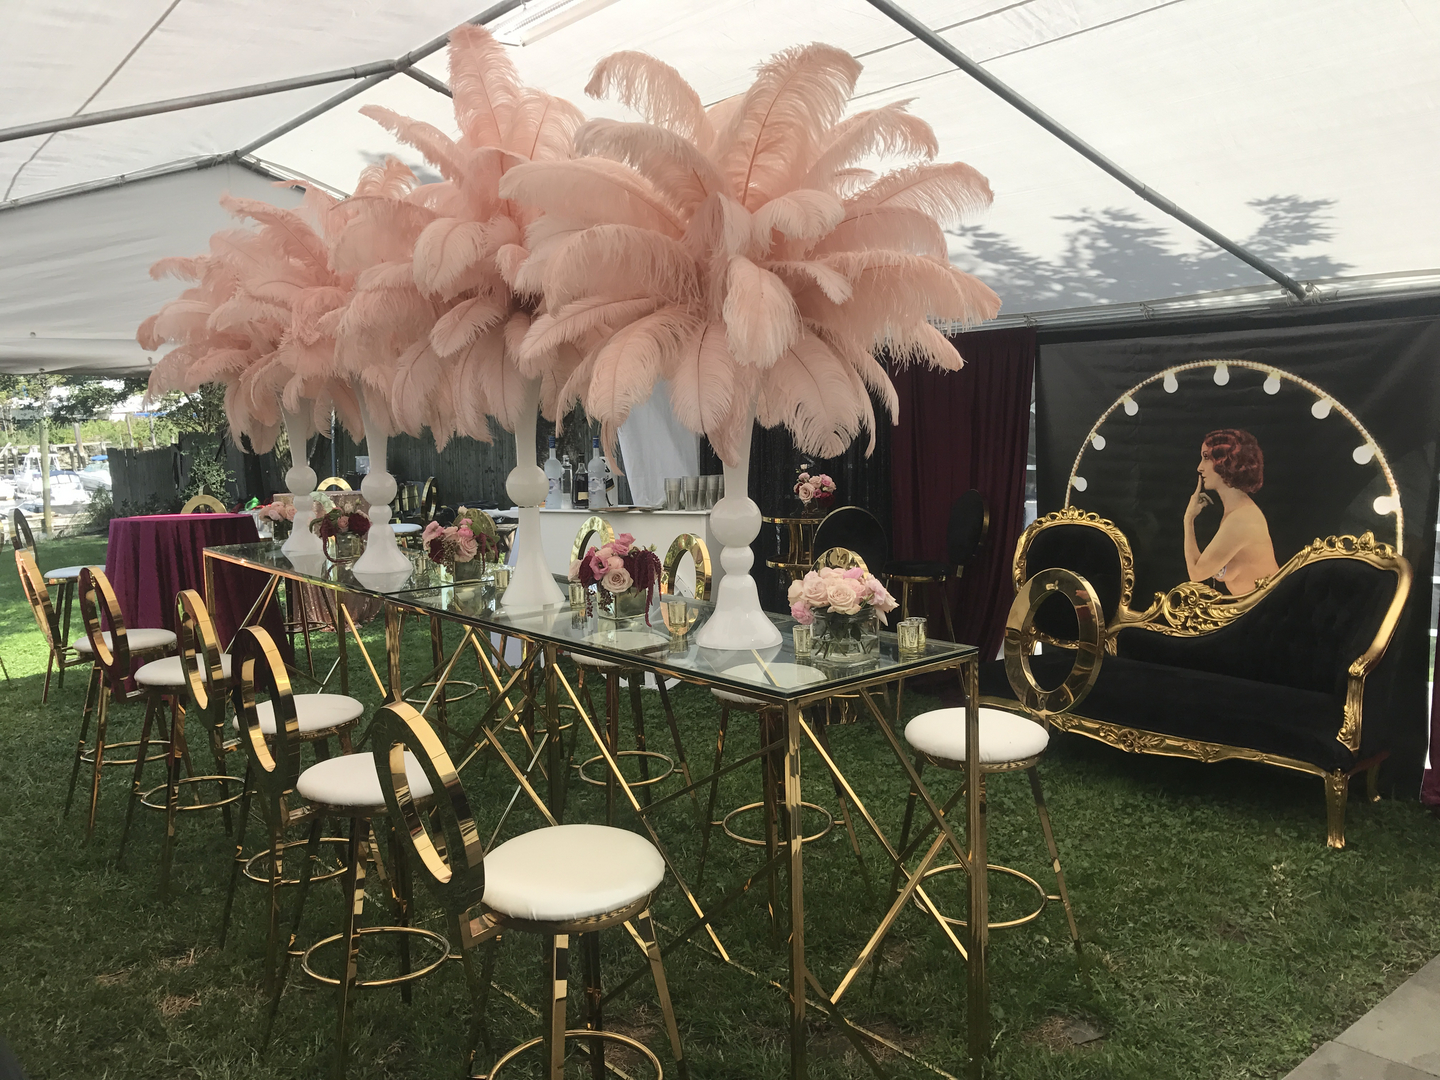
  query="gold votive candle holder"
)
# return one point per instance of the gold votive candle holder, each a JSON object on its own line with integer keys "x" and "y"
{"x": 577, "y": 596}
{"x": 502, "y": 578}
{"x": 911, "y": 633}
{"x": 804, "y": 639}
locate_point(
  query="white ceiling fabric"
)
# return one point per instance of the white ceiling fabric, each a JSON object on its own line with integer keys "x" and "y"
{"x": 1306, "y": 133}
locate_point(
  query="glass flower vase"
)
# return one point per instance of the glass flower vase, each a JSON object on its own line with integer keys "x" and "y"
{"x": 619, "y": 610}
{"x": 843, "y": 640}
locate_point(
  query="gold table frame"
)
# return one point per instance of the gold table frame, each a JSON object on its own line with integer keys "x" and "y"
{"x": 545, "y": 643}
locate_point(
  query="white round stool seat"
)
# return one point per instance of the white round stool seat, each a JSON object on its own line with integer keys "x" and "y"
{"x": 65, "y": 573}
{"x": 170, "y": 671}
{"x": 351, "y": 783}
{"x": 592, "y": 662}
{"x": 567, "y": 872}
{"x": 140, "y": 639}
{"x": 732, "y": 698}
{"x": 404, "y": 528}
{"x": 1004, "y": 737}
{"x": 315, "y": 712}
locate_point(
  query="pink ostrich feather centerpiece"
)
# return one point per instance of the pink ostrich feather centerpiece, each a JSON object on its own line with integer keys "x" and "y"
{"x": 741, "y": 254}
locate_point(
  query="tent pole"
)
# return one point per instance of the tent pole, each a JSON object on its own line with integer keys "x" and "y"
{"x": 424, "y": 78}
{"x": 370, "y": 74}
{"x": 399, "y": 64}
{"x": 1002, "y": 90}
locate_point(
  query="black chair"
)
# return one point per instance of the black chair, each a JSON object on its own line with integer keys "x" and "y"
{"x": 965, "y": 535}
{"x": 857, "y": 530}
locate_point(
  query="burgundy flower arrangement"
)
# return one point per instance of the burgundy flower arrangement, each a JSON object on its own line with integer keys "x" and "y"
{"x": 619, "y": 567}
{"x": 334, "y": 523}
{"x": 461, "y": 542}
{"x": 816, "y": 491}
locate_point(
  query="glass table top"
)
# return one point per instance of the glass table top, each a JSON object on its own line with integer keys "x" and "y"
{"x": 775, "y": 673}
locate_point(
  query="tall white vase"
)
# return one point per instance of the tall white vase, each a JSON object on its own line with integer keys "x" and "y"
{"x": 301, "y": 480}
{"x": 738, "y": 621}
{"x": 531, "y": 585}
{"x": 382, "y": 555}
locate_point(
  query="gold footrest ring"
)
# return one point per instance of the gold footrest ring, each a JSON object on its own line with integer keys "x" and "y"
{"x": 420, "y": 699}
{"x": 1008, "y": 923}
{"x": 669, "y": 767}
{"x": 513, "y": 724}
{"x": 329, "y": 875}
{"x": 87, "y": 756}
{"x": 725, "y": 824}
{"x": 226, "y": 801}
{"x": 395, "y": 980}
{"x": 579, "y": 1033}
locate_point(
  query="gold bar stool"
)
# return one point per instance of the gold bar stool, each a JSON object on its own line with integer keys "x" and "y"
{"x": 200, "y": 674}
{"x": 112, "y": 652}
{"x": 556, "y": 882}
{"x": 62, "y": 653}
{"x": 64, "y": 578}
{"x": 272, "y": 752}
{"x": 346, "y": 787}
{"x": 1011, "y": 742}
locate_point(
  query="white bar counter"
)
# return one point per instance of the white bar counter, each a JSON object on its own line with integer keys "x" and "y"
{"x": 657, "y": 527}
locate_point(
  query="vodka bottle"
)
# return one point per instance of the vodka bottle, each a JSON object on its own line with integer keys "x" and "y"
{"x": 596, "y": 471}
{"x": 554, "y": 472}
{"x": 580, "y": 488}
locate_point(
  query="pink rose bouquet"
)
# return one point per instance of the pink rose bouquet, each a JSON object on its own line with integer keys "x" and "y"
{"x": 618, "y": 567}
{"x": 334, "y": 523}
{"x": 463, "y": 542}
{"x": 843, "y": 592}
{"x": 814, "y": 488}
{"x": 276, "y": 511}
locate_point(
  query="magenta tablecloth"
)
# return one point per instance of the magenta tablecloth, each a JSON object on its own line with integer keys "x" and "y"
{"x": 151, "y": 558}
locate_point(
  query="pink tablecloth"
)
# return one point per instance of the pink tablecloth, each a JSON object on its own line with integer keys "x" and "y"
{"x": 151, "y": 558}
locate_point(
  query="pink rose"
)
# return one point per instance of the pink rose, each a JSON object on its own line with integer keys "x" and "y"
{"x": 615, "y": 563}
{"x": 288, "y": 512}
{"x": 801, "y": 613}
{"x": 806, "y": 492}
{"x": 616, "y": 581}
{"x": 598, "y": 563}
{"x": 604, "y": 552}
{"x": 463, "y": 529}
{"x": 814, "y": 590}
{"x": 843, "y": 598}
{"x": 854, "y": 573}
{"x": 432, "y": 531}
{"x": 574, "y": 570}
{"x": 803, "y": 477}
{"x": 465, "y": 547}
{"x": 344, "y": 523}
{"x": 797, "y": 590}
{"x": 623, "y": 543}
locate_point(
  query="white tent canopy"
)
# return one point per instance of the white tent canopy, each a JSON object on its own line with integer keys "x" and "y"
{"x": 1306, "y": 134}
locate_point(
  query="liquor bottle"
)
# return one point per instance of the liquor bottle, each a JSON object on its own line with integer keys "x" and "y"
{"x": 580, "y": 488}
{"x": 553, "y": 473}
{"x": 565, "y": 479}
{"x": 596, "y": 471}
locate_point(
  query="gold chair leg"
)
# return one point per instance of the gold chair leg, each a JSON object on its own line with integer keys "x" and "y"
{"x": 771, "y": 778}
{"x": 1372, "y": 783}
{"x": 557, "y": 988}
{"x": 612, "y": 736}
{"x": 823, "y": 734}
{"x": 594, "y": 1013}
{"x": 708, "y": 822}
{"x": 136, "y": 784}
{"x": 675, "y": 738}
{"x": 1034, "y": 774}
{"x": 478, "y": 984}
{"x": 404, "y": 904}
{"x": 172, "y": 797}
{"x": 91, "y": 695}
{"x": 945, "y": 603}
{"x": 904, "y": 600}
{"x": 238, "y": 862}
{"x": 637, "y": 717}
{"x": 350, "y": 937}
{"x": 49, "y": 666}
{"x": 646, "y": 930}
{"x": 102, "y": 714}
{"x": 1337, "y": 787}
{"x": 277, "y": 958}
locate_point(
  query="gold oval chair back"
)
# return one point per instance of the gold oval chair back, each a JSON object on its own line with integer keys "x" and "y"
{"x": 429, "y": 502}
{"x": 692, "y": 545}
{"x": 203, "y": 504}
{"x": 840, "y": 558}
{"x": 113, "y": 659}
{"x": 590, "y": 527}
{"x": 199, "y": 645}
{"x": 1021, "y": 636}
{"x": 255, "y": 662}
{"x": 333, "y": 483}
{"x": 38, "y": 596}
{"x": 22, "y": 537}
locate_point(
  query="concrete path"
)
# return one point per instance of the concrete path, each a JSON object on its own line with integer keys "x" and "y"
{"x": 1399, "y": 1039}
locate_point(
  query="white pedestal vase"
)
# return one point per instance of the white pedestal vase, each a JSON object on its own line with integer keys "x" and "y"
{"x": 382, "y": 556}
{"x": 738, "y": 621}
{"x": 531, "y": 585}
{"x": 301, "y": 481}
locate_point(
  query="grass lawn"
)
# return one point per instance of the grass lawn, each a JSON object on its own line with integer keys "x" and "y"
{"x": 1222, "y": 938}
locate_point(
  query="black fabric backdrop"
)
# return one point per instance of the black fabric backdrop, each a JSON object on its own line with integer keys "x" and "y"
{"x": 1384, "y": 371}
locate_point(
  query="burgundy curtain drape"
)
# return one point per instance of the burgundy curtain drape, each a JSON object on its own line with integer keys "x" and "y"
{"x": 960, "y": 430}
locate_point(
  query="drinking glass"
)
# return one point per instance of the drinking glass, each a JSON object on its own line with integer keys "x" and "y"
{"x": 912, "y": 635}
{"x": 803, "y": 638}
{"x": 577, "y": 596}
{"x": 712, "y": 491}
{"x": 672, "y": 493}
{"x": 502, "y": 579}
{"x": 692, "y": 493}
{"x": 679, "y": 616}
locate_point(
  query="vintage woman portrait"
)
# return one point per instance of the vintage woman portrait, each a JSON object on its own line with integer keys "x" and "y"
{"x": 1231, "y": 469}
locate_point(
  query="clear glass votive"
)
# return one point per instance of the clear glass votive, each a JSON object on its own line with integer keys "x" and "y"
{"x": 803, "y": 638}
{"x": 577, "y": 596}
{"x": 912, "y": 635}
{"x": 502, "y": 578}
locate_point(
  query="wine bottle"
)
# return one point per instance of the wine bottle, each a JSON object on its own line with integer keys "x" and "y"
{"x": 595, "y": 473}
{"x": 580, "y": 488}
{"x": 553, "y": 474}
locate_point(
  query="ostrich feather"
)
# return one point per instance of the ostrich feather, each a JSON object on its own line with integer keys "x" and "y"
{"x": 176, "y": 266}
{"x": 946, "y": 192}
{"x": 147, "y": 336}
{"x": 438, "y": 148}
{"x": 449, "y": 249}
{"x": 809, "y": 391}
{"x": 760, "y": 314}
{"x": 217, "y": 365}
{"x": 897, "y": 227}
{"x": 804, "y": 214}
{"x": 895, "y": 289}
{"x": 459, "y": 326}
{"x": 875, "y": 378}
{"x": 576, "y": 321}
{"x": 834, "y": 285}
{"x": 508, "y": 260}
{"x": 629, "y": 364}
{"x": 889, "y": 130}
{"x": 653, "y": 89}
{"x": 621, "y": 260}
{"x": 467, "y": 375}
{"x": 505, "y": 388}
{"x": 544, "y": 126}
{"x": 415, "y": 400}
{"x": 720, "y": 229}
{"x": 484, "y": 84}
{"x": 704, "y": 383}
{"x": 387, "y": 275}
{"x": 796, "y": 97}
{"x": 592, "y": 191}
{"x": 670, "y": 161}
{"x": 921, "y": 342}
{"x": 390, "y": 179}
{"x": 294, "y": 236}
{"x": 385, "y": 231}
